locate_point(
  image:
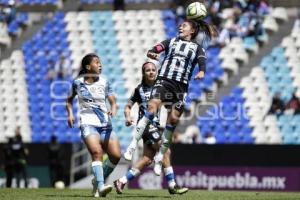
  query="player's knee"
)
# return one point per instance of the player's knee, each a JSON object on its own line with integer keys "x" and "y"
{"x": 173, "y": 121}
{"x": 147, "y": 161}
{"x": 96, "y": 154}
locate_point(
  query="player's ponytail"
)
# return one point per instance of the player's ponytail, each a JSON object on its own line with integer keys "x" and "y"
{"x": 86, "y": 60}
{"x": 208, "y": 29}
{"x": 201, "y": 25}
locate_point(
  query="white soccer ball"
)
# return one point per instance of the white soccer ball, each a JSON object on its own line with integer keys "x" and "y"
{"x": 59, "y": 185}
{"x": 196, "y": 11}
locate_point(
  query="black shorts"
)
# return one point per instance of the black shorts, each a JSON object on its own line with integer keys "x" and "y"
{"x": 151, "y": 135}
{"x": 170, "y": 92}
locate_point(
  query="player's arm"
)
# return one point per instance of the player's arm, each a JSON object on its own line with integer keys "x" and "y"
{"x": 113, "y": 105}
{"x": 69, "y": 107}
{"x": 157, "y": 49}
{"x": 127, "y": 110}
{"x": 111, "y": 99}
{"x": 135, "y": 97}
{"x": 201, "y": 60}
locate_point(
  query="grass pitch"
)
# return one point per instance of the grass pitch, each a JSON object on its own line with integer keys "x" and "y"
{"x": 51, "y": 194}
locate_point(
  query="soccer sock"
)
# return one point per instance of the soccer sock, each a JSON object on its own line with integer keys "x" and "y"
{"x": 166, "y": 138}
{"x": 170, "y": 176}
{"x": 146, "y": 119}
{"x": 98, "y": 173}
{"x": 131, "y": 174}
{"x": 108, "y": 167}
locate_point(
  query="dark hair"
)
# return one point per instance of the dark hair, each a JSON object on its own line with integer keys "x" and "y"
{"x": 144, "y": 70}
{"x": 86, "y": 60}
{"x": 209, "y": 30}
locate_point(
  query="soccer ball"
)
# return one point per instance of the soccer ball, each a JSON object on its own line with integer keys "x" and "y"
{"x": 196, "y": 11}
{"x": 59, "y": 185}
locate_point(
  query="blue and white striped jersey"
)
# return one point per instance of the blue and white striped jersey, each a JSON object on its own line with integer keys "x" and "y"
{"x": 92, "y": 101}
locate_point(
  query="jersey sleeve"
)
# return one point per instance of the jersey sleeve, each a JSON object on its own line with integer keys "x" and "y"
{"x": 201, "y": 58}
{"x": 135, "y": 96}
{"x": 160, "y": 47}
{"x": 108, "y": 89}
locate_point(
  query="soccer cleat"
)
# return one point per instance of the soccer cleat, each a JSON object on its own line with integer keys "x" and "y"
{"x": 157, "y": 165}
{"x": 178, "y": 190}
{"x": 119, "y": 186}
{"x": 129, "y": 153}
{"x": 95, "y": 188}
{"x": 105, "y": 190}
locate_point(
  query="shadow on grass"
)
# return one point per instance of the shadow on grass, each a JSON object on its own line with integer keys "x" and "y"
{"x": 140, "y": 195}
{"x": 137, "y": 196}
{"x": 68, "y": 195}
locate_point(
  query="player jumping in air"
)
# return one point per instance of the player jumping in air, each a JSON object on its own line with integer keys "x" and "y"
{"x": 182, "y": 54}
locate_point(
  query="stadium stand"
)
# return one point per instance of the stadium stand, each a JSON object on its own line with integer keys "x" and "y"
{"x": 40, "y": 53}
{"x": 37, "y": 2}
{"x": 13, "y": 89}
{"x": 126, "y": 1}
{"x": 275, "y": 75}
{"x": 11, "y": 22}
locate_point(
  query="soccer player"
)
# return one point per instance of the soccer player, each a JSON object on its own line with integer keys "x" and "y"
{"x": 182, "y": 53}
{"x": 151, "y": 135}
{"x": 93, "y": 90}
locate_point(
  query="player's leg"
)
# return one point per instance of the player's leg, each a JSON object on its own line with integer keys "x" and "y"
{"x": 153, "y": 106}
{"x": 92, "y": 141}
{"x": 135, "y": 171}
{"x": 172, "y": 121}
{"x": 111, "y": 146}
{"x": 173, "y": 188}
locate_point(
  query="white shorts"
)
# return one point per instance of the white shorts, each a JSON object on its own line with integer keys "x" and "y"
{"x": 105, "y": 133}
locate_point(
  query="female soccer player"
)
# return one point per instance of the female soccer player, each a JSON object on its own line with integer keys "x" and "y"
{"x": 182, "y": 53}
{"x": 95, "y": 124}
{"x": 151, "y": 135}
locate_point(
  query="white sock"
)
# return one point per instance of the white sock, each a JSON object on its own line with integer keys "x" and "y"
{"x": 139, "y": 132}
{"x": 169, "y": 174}
{"x": 141, "y": 126}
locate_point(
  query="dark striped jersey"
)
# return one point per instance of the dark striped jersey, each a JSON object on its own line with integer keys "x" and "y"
{"x": 180, "y": 59}
{"x": 141, "y": 96}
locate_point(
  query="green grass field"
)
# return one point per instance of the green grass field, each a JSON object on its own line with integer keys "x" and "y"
{"x": 49, "y": 194}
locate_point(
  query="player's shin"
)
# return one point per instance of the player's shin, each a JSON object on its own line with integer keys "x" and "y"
{"x": 166, "y": 141}
{"x": 98, "y": 173}
{"x": 108, "y": 167}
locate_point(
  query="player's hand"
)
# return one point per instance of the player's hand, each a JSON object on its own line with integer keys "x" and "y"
{"x": 112, "y": 113}
{"x": 71, "y": 121}
{"x": 128, "y": 122}
{"x": 153, "y": 56}
{"x": 200, "y": 75}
